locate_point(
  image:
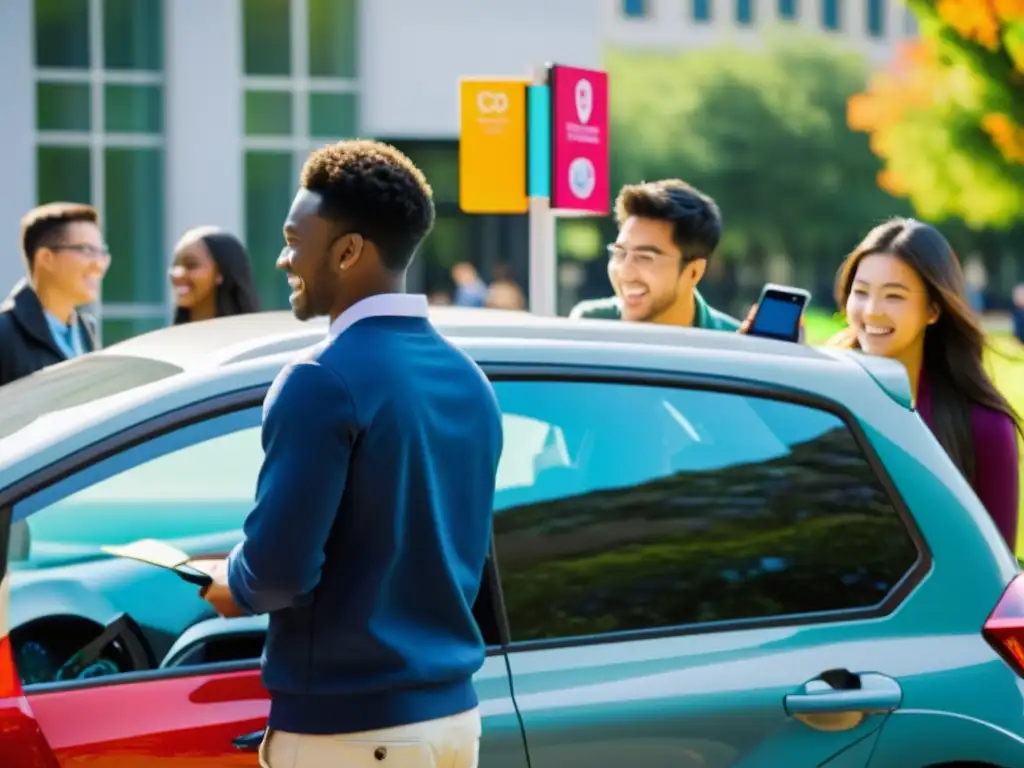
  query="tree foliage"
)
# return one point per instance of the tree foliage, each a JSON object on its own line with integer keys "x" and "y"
{"x": 763, "y": 131}
{"x": 948, "y": 116}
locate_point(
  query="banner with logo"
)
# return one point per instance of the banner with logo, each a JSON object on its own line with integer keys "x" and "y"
{"x": 492, "y": 145}
{"x": 580, "y": 147}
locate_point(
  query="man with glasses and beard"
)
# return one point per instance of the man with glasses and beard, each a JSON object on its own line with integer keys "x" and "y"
{"x": 66, "y": 259}
{"x": 667, "y": 232}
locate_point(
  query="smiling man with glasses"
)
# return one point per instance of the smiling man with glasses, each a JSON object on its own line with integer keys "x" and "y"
{"x": 66, "y": 259}
{"x": 667, "y": 232}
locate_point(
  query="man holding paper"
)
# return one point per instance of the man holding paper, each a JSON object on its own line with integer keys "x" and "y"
{"x": 372, "y": 523}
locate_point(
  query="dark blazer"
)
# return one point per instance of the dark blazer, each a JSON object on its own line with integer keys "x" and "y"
{"x": 26, "y": 344}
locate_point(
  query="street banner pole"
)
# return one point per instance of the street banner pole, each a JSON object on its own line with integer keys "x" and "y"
{"x": 538, "y": 146}
{"x": 543, "y": 227}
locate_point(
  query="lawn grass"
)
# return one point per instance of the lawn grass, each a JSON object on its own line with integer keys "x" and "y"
{"x": 1005, "y": 363}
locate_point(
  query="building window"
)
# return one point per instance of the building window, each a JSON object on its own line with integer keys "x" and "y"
{"x": 831, "y": 14}
{"x": 700, "y": 10}
{"x": 622, "y": 507}
{"x": 634, "y": 9}
{"x": 301, "y": 92}
{"x": 744, "y": 12}
{"x": 876, "y": 18}
{"x": 788, "y": 10}
{"x": 100, "y": 140}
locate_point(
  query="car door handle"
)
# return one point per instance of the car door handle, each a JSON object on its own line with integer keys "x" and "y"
{"x": 867, "y": 693}
{"x": 250, "y": 742}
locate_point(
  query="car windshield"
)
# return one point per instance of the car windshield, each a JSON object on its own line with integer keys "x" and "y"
{"x": 74, "y": 383}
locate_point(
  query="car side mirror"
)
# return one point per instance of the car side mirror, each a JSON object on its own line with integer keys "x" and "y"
{"x": 20, "y": 543}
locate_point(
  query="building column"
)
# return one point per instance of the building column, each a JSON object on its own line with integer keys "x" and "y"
{"x": 17, "y": 133}
{"x": 205, "y": 119}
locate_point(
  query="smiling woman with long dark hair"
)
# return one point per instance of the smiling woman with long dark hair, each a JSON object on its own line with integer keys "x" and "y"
{"x": 211, "y": 276}
{"x": 904, "y": 296}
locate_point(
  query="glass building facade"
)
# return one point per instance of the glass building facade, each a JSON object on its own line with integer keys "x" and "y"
{"x": 170, "y": 114}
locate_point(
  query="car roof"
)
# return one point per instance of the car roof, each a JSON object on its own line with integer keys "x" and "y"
{"x": 244, "y": 352}
{"x": 228, "y": 340}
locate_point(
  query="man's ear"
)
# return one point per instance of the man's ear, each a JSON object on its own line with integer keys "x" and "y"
{"x": 695, "y": 270}
{"x": 43, "y": 258}
{"x": 350, "y": 247}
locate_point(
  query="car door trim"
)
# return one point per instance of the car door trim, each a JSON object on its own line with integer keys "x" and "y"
{"x": 253, "y": 396}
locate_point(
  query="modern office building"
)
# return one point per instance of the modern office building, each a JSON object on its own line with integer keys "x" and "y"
{"x": 872, "y": 27}
{"x": 168, "y": 114}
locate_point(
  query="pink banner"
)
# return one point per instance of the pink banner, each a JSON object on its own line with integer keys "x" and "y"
{"x": 579, "y": 147}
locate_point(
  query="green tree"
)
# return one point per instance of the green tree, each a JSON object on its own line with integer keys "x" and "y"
{"x": 948, "y": 116}
{"x": 762, "y": 131}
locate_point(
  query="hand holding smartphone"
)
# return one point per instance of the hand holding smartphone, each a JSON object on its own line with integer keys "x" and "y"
{"x": 778, "y": 312}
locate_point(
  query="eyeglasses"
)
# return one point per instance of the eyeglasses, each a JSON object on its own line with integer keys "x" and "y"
{"x": 92, "y": 251}
{"x": 642, "y": 258}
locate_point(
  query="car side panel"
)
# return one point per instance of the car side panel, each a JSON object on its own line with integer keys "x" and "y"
{"x": 916, "y": 738}
{"x": 190, "y": 721}
{"x": 176, "y": 722}
{"x": 20, "y": 735}
{"x": 944, "y": 614}
{"x": 857, "y": 755}
{"x": 700, "y": 701}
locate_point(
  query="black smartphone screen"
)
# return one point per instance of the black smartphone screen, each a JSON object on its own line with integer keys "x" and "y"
{"x": 778, "y": 316}
{"x": 193, "y": 575}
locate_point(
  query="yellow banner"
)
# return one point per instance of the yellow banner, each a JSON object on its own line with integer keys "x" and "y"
{"x": 492, "y": 145}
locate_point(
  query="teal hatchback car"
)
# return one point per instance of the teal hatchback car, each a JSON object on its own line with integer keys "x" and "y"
{"x": 710, "y": 551}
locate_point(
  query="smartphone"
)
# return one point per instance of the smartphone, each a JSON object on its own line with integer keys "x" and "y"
{"x": 779, "y": 311}
{"x": 193, "y": 575}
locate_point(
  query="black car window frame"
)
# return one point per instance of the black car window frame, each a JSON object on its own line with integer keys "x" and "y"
{"x": 725, "y": 385}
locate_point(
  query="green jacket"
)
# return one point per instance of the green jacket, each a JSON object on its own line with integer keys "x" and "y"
{"x": 704, "y": 316}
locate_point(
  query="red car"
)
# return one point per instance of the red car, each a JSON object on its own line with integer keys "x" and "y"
{"x": 201, "y": 703}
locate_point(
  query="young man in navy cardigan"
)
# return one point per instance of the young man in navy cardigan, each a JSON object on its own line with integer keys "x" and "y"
{"x": 372, "y": 521}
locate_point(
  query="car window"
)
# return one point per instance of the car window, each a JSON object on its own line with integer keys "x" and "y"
{"x": 538, "y": 446}
{"x": 675, "y": 507}
{"x": 194, "y": 482}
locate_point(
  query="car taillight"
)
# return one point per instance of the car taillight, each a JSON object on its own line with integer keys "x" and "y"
{"x": 1004, "y": 629}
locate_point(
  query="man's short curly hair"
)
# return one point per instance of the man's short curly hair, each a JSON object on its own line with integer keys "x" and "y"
{"x": 695, "y": 218}
{"x": 373, "y": 189}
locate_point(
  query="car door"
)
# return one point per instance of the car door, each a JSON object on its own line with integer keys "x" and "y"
{"x": 695, "y": 576}
{"x": 188, "y": 480}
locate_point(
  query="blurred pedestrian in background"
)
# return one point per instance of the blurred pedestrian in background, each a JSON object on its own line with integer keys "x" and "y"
{"x": 504, "y": 294}
{"x": 470, "y": 289}
{"x": 211, "y": 276}
{"x": 976, "y": 281}
{"x": 1017, "y": 313}
{"x": 372, "y": 522}
{"x": 905, "y": 298}
{"x": 667, "y": 232}
{"x": 65, "y": 260}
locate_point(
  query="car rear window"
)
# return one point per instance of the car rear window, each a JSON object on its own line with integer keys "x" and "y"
{"x": 74, "y": 383}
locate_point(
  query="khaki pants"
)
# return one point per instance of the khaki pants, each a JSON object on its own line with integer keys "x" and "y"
{"x": 450, "y": 742}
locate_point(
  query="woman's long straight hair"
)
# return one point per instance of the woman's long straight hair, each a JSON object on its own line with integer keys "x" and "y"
{"x": 954, "y": 345}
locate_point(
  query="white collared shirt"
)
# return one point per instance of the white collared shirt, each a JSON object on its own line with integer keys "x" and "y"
{"x": 381, "y": 305}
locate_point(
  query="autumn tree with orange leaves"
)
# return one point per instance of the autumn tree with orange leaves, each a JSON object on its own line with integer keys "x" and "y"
{"x": 947, "y": 117}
